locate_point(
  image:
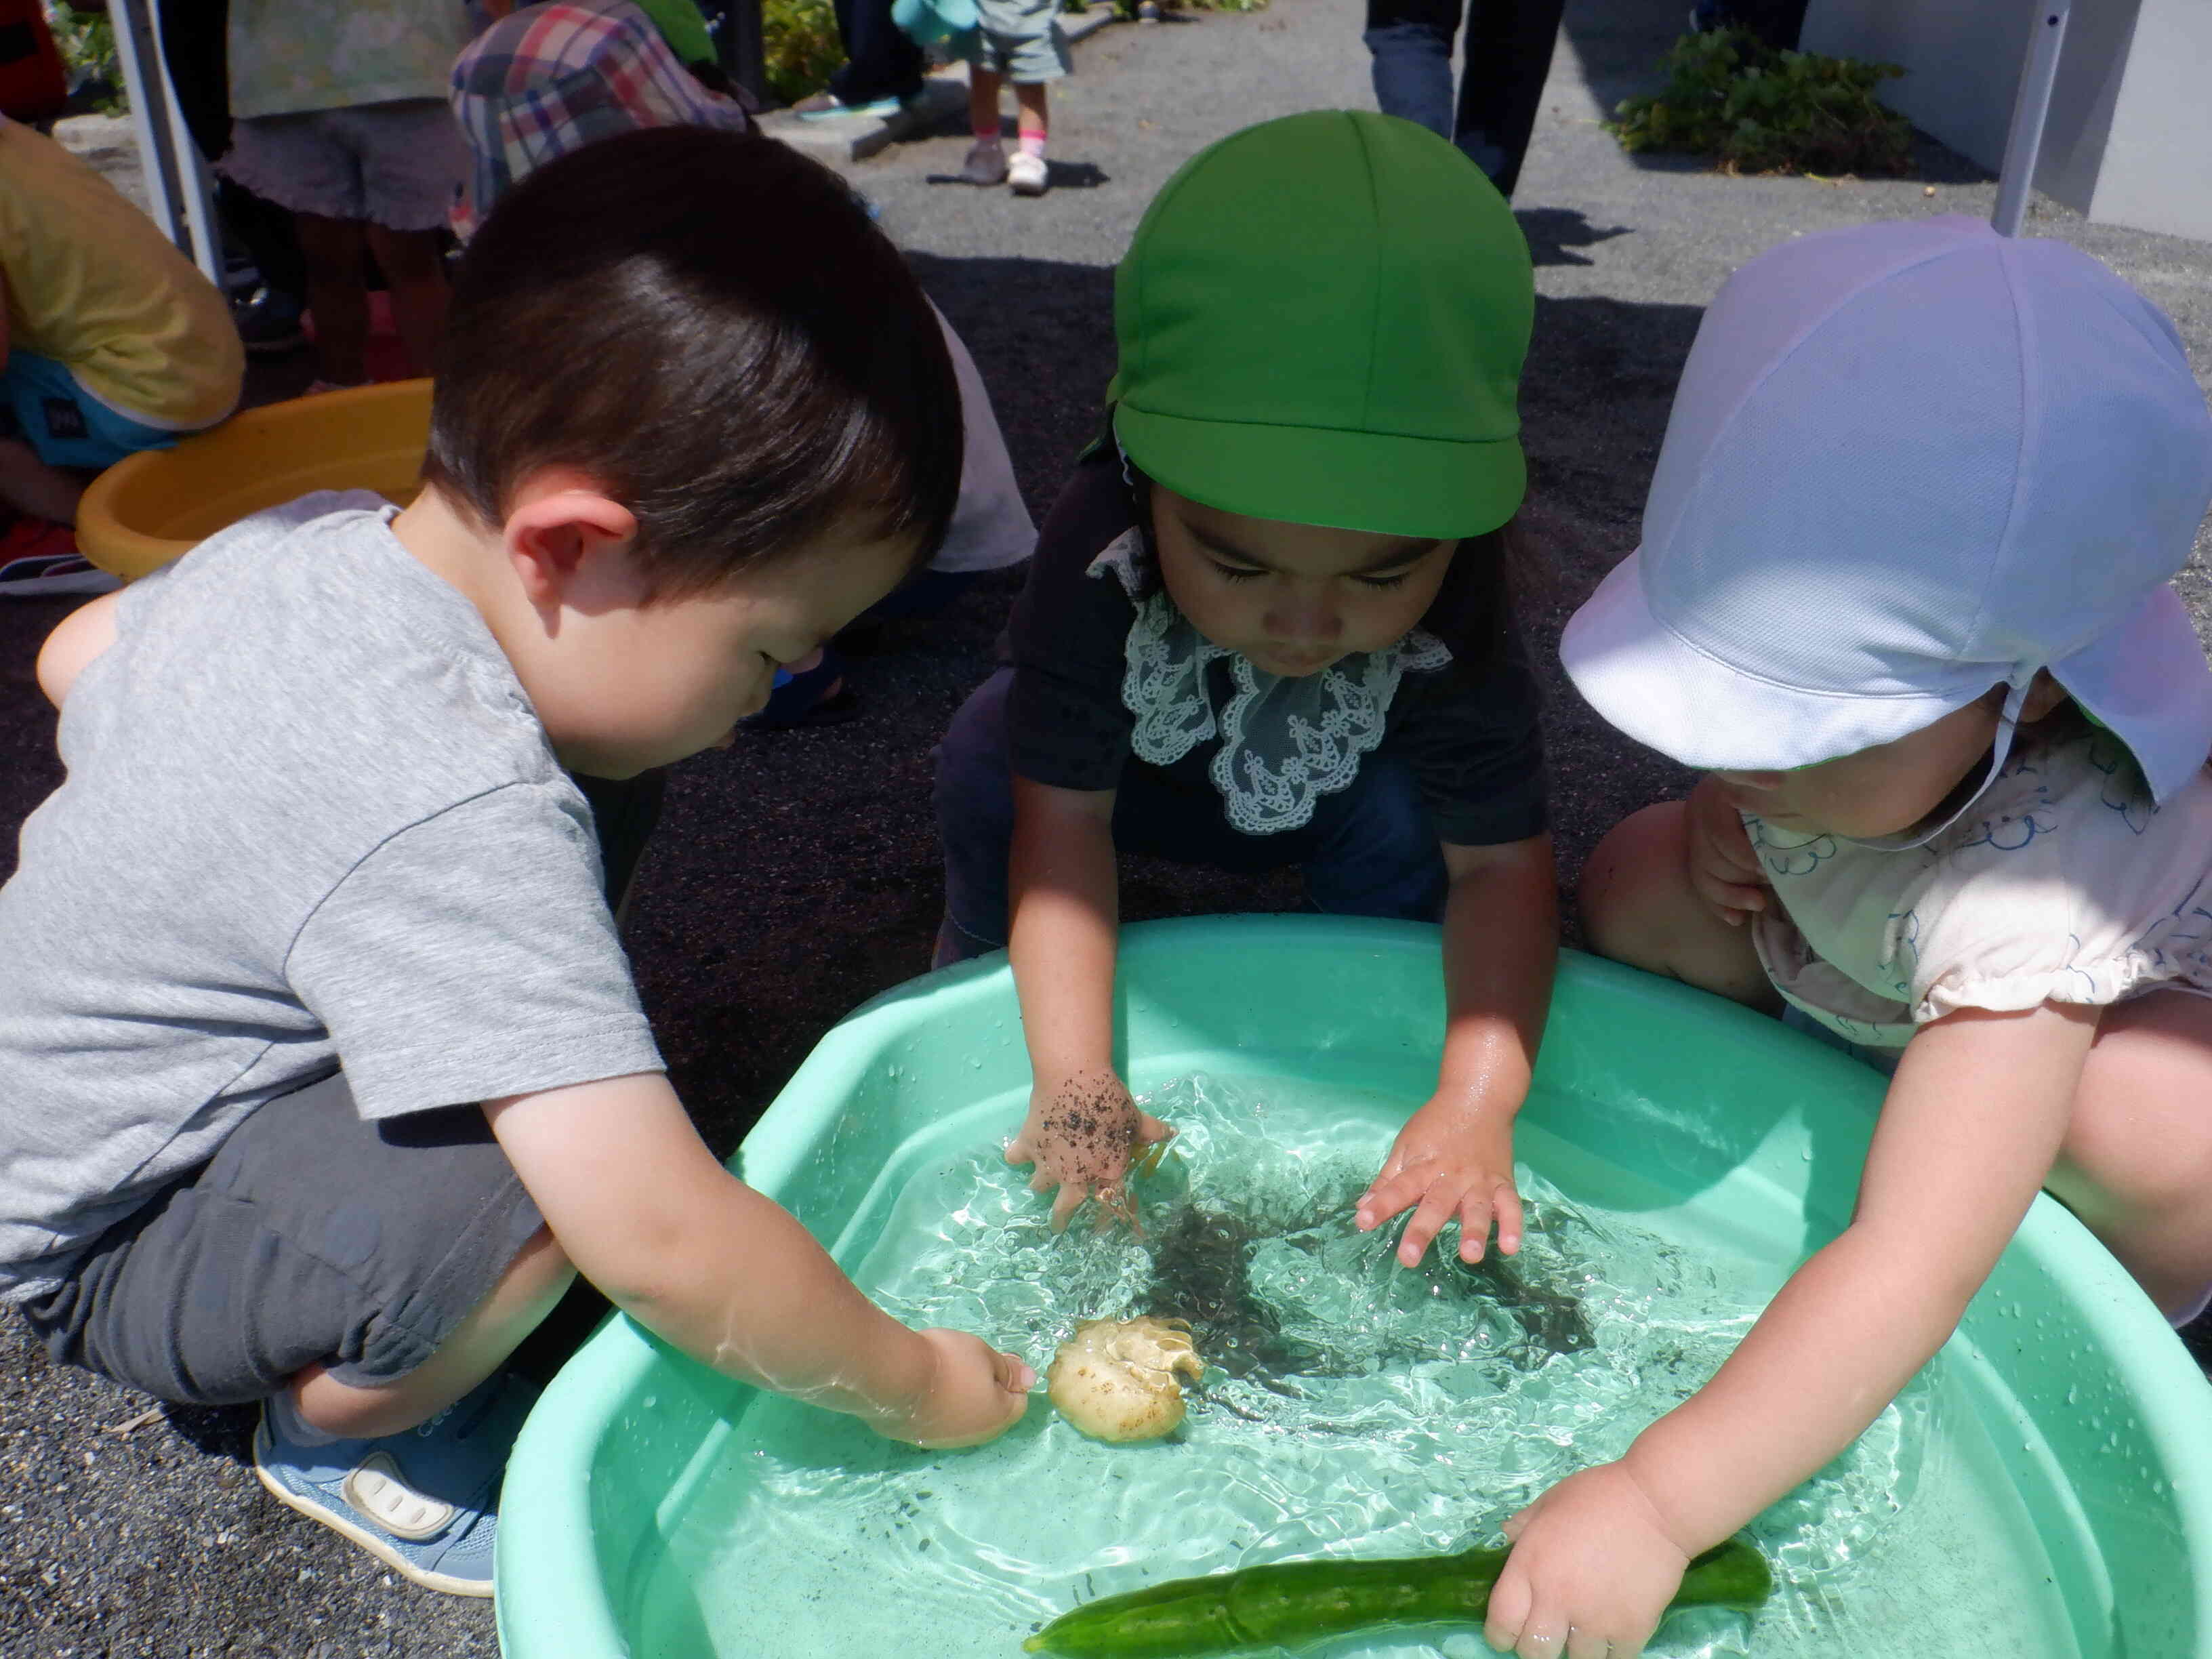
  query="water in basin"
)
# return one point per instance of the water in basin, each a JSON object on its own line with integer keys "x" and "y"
{"x": 1355, "y": 1407}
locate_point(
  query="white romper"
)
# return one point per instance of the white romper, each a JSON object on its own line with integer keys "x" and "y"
{"x": 2062, "y": 883}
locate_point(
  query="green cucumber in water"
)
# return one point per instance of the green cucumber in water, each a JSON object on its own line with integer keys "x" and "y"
{"x": 1297, "y": 1601}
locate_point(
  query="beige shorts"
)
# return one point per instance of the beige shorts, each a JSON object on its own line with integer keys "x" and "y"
{"x": 398, "y": 165}
{"x": 1021, "y": 39}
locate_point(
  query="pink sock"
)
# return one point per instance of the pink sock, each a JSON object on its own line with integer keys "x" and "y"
{"x": 1032, "y": 141}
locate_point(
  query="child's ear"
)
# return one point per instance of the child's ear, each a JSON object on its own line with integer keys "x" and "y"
{"x": 560, "y": 524}
{"x": 2044, "y": 694}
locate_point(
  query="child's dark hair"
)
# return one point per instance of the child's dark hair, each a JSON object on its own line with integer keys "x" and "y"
{"x": 706, "y": 324}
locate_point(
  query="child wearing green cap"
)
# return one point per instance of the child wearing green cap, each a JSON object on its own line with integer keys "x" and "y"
{"x": 1267, "y": 625}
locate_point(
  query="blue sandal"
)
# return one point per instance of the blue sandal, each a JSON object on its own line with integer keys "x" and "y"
{"x": 815, "y": 697}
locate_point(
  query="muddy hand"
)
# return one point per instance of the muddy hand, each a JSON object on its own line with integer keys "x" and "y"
{"x": 1082, "y": 1132}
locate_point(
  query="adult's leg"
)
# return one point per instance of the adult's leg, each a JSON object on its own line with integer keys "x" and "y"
{"x": 1508, "y": 53}
{"x": 1377, "y": 853}
{"x": 881, "y": 59}
{"x": 2136, "y": 1167}
{"x": 1411, "y": 43}
{"x": 1637, "y": 907}
{"x": 337, "y": 295}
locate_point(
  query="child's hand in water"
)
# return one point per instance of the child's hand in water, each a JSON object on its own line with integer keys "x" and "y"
{"x": 1448, "y": 1162}
{"x": 1082, "y": 1132}
{"x": 975, "y": 1394}
{"x": 1592, "y": 1571}
{"x": 1724, "y": 871}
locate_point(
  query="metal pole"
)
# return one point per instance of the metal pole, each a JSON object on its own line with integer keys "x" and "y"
{"x": 193, "y": 181}
{"x": 176, "y": 183}
{"x": 2031, "y": 104}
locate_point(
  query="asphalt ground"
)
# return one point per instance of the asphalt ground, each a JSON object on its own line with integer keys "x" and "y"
{"x": 796, "y": 875}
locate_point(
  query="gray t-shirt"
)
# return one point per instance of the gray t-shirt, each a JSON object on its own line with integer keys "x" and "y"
{"x": 310, "y": 820}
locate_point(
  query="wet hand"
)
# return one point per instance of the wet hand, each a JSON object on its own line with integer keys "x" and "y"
{"x": 975, "y": 1394}
{"x": 1082, "y": 1132}
{"x": 1724, "y": 871}
{"x": 1591, "y": 1573}
{"x": 1448, "y": 1162}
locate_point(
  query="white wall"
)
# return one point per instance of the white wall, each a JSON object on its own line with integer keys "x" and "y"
{"x": 2128, "y": 139}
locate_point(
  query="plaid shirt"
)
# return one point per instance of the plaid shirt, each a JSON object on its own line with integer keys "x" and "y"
{"x": 551, "y": 78}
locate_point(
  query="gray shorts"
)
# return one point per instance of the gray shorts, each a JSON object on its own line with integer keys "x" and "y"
{"x": 310, "y": 1236}
{"x": 1021, "y": 39}
{"x": 398, "y": 164}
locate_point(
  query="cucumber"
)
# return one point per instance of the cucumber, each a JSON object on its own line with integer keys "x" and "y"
{"x": 1296, "y": 1602}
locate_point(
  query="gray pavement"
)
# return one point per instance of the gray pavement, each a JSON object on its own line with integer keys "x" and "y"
{"x": 794, "y": 876}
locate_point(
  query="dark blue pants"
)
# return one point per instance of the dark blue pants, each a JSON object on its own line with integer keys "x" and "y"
{"x": 881, "y": 60}
{"x": 1508, "y": 53}
{"x": 1369, "y": 850}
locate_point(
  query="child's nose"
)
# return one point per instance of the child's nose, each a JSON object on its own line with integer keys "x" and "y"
{"x": 1303, "y": 618}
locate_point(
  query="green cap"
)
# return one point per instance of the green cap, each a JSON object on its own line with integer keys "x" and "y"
{"x": 1321, "y": 319}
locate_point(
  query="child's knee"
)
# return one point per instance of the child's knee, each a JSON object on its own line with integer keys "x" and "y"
{"x": 975, "y": 799}
{"x": 975, "y": 787}
{"x": 1635, "y": 886}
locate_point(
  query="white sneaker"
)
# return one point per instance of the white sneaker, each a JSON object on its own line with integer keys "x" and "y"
{"x": 986, "y": 163}
{"x": 1026, "y": 174}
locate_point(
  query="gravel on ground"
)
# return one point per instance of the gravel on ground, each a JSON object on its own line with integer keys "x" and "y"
{"x": 796, "y": 875}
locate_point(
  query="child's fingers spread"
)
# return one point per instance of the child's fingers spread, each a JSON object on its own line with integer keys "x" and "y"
{"x": 1390, "y": 1194}
{"x": 1544, "y": 1636}
{"x": 1508, "y": 1608}
{"x": 1475, "y": 1210}
{"x": 1436, "y": 1208}
{"x": 1072, "y": 1194}
{"x": 1506, "y": 1201}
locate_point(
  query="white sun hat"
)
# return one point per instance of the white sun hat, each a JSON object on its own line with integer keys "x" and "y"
{"x": 1908, "y": 462}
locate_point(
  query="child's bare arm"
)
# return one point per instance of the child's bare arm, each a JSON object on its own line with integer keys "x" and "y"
{"x": 1455, "y": 1156}
{"x": 76, "y": 639}
{"x": 1064, "y": 902}
{"x": 1971, "y": 1125}
{"x": 675, "y": 1240}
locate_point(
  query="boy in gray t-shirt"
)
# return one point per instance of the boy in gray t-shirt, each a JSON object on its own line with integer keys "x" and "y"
{"x": 321, "y": 1072}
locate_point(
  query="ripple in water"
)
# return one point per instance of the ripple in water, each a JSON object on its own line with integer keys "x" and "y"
{"x": 1350, "y": 1406}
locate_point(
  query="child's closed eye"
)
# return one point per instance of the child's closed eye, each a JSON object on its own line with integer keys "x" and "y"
{"x": 1234, "y": 573}
{"x": 1397, "y": 581}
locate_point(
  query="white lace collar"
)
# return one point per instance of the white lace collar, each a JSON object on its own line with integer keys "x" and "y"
{"x": 1284, "y": 742}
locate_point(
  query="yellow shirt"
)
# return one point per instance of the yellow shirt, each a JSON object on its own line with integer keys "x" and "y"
{"x": 94, "y": 284}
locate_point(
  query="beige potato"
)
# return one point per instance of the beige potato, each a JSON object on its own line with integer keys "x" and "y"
{"x": 1115, "y": 1379}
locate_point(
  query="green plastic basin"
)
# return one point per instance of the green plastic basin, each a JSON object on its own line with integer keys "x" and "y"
{"x": 1713, "y": 1106}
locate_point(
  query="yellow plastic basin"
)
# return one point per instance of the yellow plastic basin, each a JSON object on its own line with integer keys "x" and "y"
{"x": 151, "y": 507}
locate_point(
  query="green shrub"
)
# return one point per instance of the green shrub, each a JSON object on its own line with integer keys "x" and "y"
{"x": 799, "y": 40}
{"x": 86, "y": 41}
{"x": 1753, "y": 109}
